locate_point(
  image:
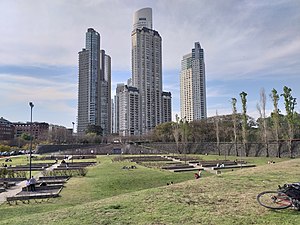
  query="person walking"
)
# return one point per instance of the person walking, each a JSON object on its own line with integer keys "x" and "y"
{"x": 32, "y": 183}
{"x": 28, "y": 188}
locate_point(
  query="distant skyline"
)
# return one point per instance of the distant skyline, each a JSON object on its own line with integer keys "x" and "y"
{"x": 248, "y": 45}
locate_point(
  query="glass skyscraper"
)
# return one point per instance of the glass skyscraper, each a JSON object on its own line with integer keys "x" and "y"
{"x": 193, "y": 85}
{"x": 94, "y": 85}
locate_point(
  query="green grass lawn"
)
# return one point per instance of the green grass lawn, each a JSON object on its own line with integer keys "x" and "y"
{"x": 111, "y": 195}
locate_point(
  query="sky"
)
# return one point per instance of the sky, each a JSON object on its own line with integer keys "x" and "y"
{"x": 248, "y": 45}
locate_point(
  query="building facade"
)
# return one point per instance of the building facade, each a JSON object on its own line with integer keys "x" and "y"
{"x": 105, "y": 94}
{"x": 127, "y": 98}
{"x": 166, "y": 107}
{"x": 7, "y": 130}
{"x": 39, "y": 129}
{"x": 193, "y": 85}
{"x": 94, "y": 86}
{"x": 147, "y": 69}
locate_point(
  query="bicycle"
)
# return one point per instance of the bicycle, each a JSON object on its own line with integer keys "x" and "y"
{"x": 285, "y": 197}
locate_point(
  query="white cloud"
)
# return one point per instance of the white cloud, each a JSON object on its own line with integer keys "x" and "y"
{"x": 242, "y": 40}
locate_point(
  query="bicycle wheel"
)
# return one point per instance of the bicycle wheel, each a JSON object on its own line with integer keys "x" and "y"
{"x": 274, "y": 200}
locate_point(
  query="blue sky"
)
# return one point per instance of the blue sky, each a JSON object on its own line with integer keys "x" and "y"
{"x": 248, "y": 45}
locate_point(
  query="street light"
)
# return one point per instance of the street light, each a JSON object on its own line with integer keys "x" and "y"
{"x": 73, "y": 128}
{"x": 30, "y": 150}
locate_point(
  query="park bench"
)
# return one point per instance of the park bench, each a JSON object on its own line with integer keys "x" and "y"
{"x": 234, "y": 166}
{"x": 35, "y": 165}
{"x": 186, "y": 169}
{"x": 56, "y": 181}
{"x": 7, "y": 184}
{"x": 25, "y": 168}
{"x": 77, "y": 164}
{"x": 27, "y": 198}
{"x": 148, "y": 159}
{"x": 67, "y": 168}
{"x": 213, "y": 163}
{"x": 177, "y": 166}
{"x": 47, "y": 187}
{"x": 13, "y": 179}
{"x": 54, "y": 178}
{"x": 182, "y": 158}
{"x": 84, "y": 157}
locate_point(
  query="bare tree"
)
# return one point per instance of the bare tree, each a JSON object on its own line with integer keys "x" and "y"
{"x": 234, "y": 120}
{"x": 217, "y": 120}
{"x": 176, "y": 131}
{"x": 261, "y": 107}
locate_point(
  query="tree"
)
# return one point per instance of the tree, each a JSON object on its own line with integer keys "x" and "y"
{"x": 25, "y": 136}
{"x": 244, "y": 120}
{"x": 176, "y": 131}
{"x": 261, "y": 107}
{"x": 289, "y": 103}
{"x": 217, "y": 120}
{"x": 164, "y": 132}
{"x": 275, "y": 118}
{"x": 184, "y": 126}
{"x": 94, "y": 129}
{"x": 234, "y": 121}
{"x": 4, "y": 148}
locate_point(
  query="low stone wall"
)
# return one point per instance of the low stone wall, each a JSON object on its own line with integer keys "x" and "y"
{"x": 254, "y": 149}
{"x": 42, "y": 149}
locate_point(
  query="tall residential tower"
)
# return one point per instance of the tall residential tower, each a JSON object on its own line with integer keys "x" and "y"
{"x": 193, "y": 85}
{"x": 147, "y": 69}
{"x": 93, "y": 86}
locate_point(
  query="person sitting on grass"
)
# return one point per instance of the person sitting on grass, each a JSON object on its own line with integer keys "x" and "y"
{"x": 199, "y": 173}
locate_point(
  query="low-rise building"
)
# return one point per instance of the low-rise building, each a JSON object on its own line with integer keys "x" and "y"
{"x": 7, "y": 130}
{"x": 39, "y": 130}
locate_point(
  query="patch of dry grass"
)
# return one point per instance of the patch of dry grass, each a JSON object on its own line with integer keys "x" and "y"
{"x": 229, "y": 198}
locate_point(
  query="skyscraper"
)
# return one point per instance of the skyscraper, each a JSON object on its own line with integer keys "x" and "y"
{"x": 147, "y": 69}
{"x": 105, "y": 94}
{"x": 166, "y": 107}
{"x": 128, "y": 111}
{"x": 193, "y": 85}
{"x": 93, "y": 85}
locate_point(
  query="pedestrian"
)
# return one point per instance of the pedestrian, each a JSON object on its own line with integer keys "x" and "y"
{"x": 32, "y": 182}
{"x": 27, "y": 185}
{"x": 199, "y": 173}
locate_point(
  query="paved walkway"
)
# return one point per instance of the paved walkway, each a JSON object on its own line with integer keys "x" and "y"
{"x": 12, "y": 191}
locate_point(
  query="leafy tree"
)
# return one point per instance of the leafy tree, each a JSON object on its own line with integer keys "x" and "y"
{"x": 4, "y": 148}
{"x": 163, "y": 132}
{"x": 25, "y": 136}
{"x": 275, "y": 118}
{"x": 94, "y": 129}
{"x": 244, "y": 120}
{"x": 184, "y": 127}
{"x": 202, "y": 130}
{"x": 289, "y": 103}
{"x": 234, "y": 121}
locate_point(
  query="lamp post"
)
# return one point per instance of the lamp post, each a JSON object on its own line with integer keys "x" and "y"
{"x": 73, "y": 128}
{"x": 30, "y": 150}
